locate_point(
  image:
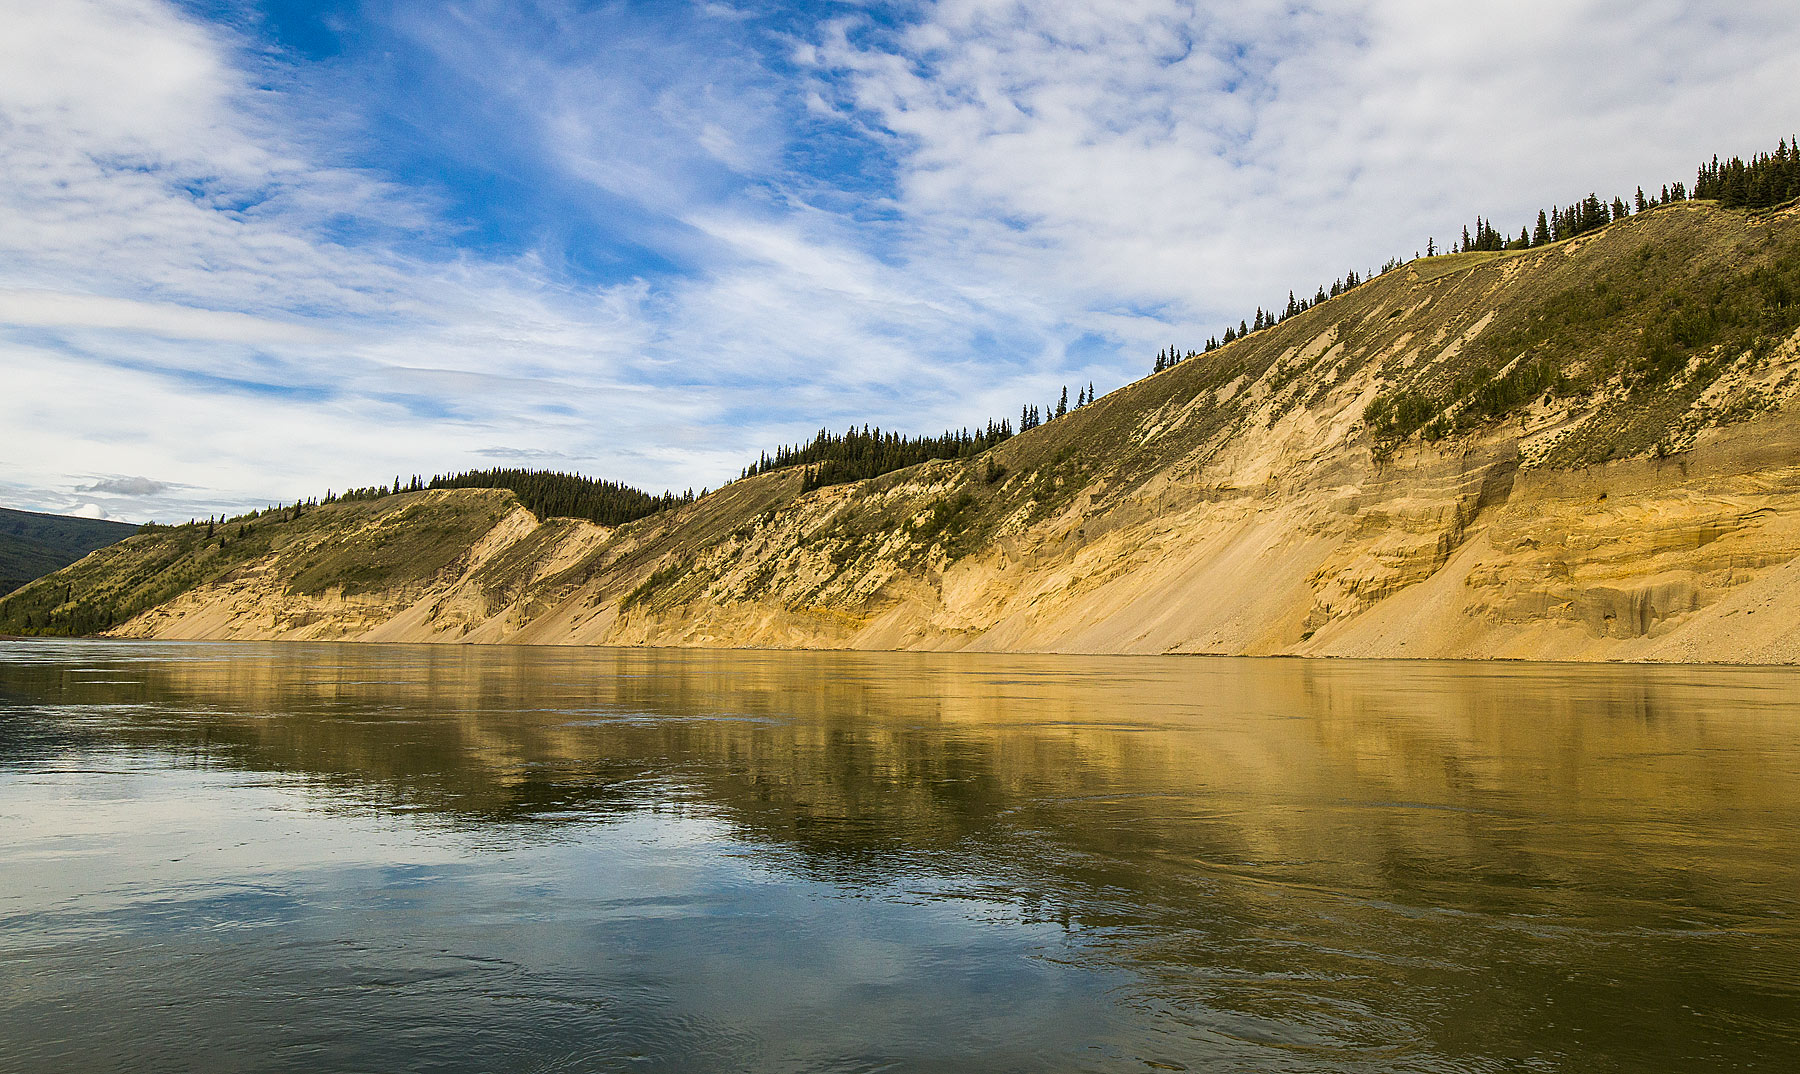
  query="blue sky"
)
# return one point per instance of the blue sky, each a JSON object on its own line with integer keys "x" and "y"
{"x": 258, "y": 250}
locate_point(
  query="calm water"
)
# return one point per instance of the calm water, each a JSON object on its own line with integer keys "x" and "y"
{"x": 407, "y": 858}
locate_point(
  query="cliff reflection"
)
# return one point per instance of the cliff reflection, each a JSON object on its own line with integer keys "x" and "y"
{"x": 1431, "y": 767}
{"x": 1295, "y": 853}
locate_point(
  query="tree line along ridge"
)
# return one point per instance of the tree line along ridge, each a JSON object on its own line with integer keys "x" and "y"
{"x": 1764, "y": 181}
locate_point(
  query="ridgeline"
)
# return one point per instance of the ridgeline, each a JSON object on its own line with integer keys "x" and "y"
{"x": 1579, "y": 449}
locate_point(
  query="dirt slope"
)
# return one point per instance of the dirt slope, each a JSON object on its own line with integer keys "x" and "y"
{"x": 1596, "y": 457}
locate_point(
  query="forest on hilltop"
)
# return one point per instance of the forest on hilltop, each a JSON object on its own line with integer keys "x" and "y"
{"x": 1763, "y": 182}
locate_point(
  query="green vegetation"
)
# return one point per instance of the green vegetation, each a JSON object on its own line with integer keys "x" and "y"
{"x": 561, "y": 495}
{"x": 947, "y": 521}
{"x": 1477, "y": 396}
{"x": 410, "y": 547}
{"x": 33, "y": 545}
{"x": 660, "y": 578}
{"x": 360, "y": 545}
{"x": 1661, "y": 307}
{"x": 859, "y": 454}
{"x": 1767, "y": 180}
{"x": 1640, "y": 328}
{"x": 1495, "y": 396}
{"x": 1399, "y": 412}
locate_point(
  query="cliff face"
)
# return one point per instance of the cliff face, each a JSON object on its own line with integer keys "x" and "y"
{"x": 1595, "y": 457}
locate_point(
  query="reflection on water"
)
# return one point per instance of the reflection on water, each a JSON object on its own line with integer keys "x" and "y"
{"x": 362, "y": 857}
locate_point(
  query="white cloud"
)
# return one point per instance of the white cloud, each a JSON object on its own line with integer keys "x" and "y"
{"x": 1212, "y": 156}
{"x": 50, "y": 309}
{"x": 127, "y": 486}
{"x": 196, "y": 283}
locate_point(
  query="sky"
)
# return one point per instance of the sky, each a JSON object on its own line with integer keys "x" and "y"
{"x": 254, "y": 251}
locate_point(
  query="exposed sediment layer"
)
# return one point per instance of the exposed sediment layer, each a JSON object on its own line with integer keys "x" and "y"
{"x": 1238, "y": 503}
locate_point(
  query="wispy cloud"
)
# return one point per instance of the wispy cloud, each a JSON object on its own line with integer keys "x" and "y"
{"x": 1203, "y": 158}
{"x": 50, "y": 309}
{"x": 648, "y": 241}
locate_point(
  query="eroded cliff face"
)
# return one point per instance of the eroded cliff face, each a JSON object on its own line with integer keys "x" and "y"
{"x": 1243, "y": 502}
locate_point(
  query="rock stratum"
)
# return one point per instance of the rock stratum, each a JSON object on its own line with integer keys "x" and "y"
{"x": 1585, "y": 451}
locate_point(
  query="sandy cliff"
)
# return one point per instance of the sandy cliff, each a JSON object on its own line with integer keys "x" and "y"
{"x": 1568, "y": 490}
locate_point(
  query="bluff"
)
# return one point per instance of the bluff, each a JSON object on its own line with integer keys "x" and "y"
{"x": 1581, "y": 451}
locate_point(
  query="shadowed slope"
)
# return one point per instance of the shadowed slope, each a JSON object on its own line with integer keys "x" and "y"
{"x": 34, "y": 544}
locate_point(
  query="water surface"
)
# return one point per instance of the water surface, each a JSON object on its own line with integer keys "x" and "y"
{"x": 281, "y": 857}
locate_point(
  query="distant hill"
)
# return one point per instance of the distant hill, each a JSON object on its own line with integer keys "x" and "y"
{"x": 33, "y": 545}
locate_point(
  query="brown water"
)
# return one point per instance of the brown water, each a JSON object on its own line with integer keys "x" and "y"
{"x": 350, "y": 857}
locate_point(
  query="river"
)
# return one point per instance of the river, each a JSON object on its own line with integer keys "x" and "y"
{"x": 359, "y": 857}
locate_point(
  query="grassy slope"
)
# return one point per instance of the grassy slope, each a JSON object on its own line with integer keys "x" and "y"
{"x": 359, "y": 546}
{"x": 33, "y": 545}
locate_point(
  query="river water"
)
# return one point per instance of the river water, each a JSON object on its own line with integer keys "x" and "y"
{"x": 358, "y": 857}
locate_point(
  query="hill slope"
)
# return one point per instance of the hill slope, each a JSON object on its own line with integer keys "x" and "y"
{"x": 33, "y": 545}
{"x": 1580, "y": 451}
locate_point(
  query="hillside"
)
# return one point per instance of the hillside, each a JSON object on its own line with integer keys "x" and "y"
{"x": 1584, "y": 450}
{"x": 33, "y": 545}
